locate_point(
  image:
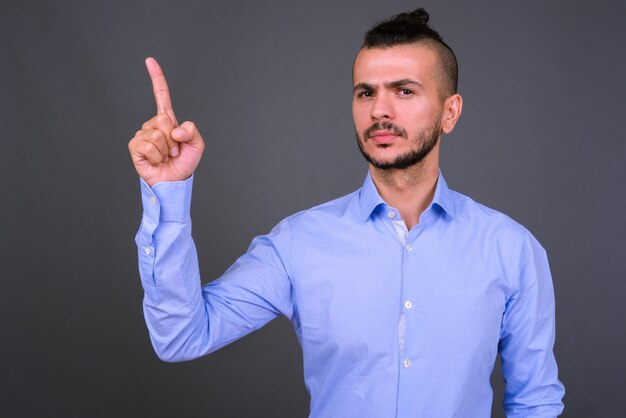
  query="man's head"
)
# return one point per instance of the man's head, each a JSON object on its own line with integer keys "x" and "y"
{"x": 412, "y": 28}
{"x": 405, "y": 97}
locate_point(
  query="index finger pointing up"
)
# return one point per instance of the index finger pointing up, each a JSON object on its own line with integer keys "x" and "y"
{"x": 161, "y": 91}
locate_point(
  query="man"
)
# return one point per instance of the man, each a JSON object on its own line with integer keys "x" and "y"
{"x": 401, "y": 293}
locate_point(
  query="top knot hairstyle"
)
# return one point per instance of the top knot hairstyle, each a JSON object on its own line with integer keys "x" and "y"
{"x": 412, "y": 27}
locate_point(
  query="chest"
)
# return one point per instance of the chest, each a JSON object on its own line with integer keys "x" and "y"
{"x": 354, "y": 292}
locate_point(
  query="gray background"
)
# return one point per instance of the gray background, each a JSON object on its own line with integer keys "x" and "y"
{"x": 268, "y": 83}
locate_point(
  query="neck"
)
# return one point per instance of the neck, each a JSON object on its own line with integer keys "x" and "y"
{"x": 409, "y": 190}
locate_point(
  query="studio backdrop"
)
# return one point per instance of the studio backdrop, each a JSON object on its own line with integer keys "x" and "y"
{"x": 541, "y": 138}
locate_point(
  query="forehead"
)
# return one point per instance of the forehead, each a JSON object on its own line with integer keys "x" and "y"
{"x": 379, "y": 65}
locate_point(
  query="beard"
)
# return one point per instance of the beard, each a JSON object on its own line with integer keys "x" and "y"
{"x": 423, "y": 142}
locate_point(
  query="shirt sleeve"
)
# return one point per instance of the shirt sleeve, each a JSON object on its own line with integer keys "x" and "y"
{"x": 527, "y": 340}
{"x": 184, "y": 319}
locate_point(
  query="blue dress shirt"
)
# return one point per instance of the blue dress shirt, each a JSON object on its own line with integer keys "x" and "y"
{"x": 390, "y": 326}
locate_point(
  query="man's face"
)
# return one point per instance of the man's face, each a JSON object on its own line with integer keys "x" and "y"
{"x": 397, "y": 106}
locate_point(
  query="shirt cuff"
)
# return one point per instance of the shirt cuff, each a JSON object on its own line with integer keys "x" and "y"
{"x": 167, "y": 201}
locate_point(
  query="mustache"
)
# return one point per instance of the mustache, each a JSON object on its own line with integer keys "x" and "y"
{"x": 385, "y": 126}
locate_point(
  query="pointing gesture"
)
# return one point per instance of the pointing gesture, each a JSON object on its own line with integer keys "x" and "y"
{"x": 161, "y": 91}
{"x": 162, "y": 150}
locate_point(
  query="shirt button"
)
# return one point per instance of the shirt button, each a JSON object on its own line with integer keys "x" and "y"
{"x": 391, "y": 214}
{"x": 409, "y": 248}
{"x": 408, "y": 304}
{"x": 153, "y": 200}
{"x": 148, "y": 250}
{"x": 406, "y": 363}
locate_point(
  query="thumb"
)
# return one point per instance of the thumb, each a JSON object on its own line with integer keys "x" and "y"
{"x": 187, "y": 132}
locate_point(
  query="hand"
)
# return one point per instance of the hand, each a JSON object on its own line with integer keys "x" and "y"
{"x": 162, "y": 150}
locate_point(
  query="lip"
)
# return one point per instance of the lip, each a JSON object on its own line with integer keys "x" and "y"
{"x": 383, "y": 137}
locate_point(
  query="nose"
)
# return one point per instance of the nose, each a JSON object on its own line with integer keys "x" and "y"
{"x": 382, "y": 108}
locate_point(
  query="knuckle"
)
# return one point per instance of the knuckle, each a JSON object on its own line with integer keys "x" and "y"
{"x": 156, "y": 135}
{"x": 162, "y": 119}
{"x": 142, "y": 148}
{"x": 149, "y": 124}
{"x": 134, "y": 141}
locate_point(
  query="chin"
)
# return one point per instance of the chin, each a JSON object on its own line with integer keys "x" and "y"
{"x": 384, "y": 156}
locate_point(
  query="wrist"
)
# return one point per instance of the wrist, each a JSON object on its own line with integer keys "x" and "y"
{"x": 167, "y": 201}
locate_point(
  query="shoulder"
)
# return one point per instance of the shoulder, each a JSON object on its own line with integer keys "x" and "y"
{"x": 340, "y": 208}
{"x": 318, "y": 221}
{"x": 501, "y": 241}
{"x": 488, "y": 222}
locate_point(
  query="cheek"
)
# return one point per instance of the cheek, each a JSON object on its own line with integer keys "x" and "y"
{"x": 420, "y": 116}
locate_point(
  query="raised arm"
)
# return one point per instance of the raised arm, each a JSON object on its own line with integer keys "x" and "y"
{"x": 184, "y": 319}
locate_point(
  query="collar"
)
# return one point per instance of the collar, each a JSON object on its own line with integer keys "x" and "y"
{"x": 369, "y": 199}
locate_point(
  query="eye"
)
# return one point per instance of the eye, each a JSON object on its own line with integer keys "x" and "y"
{"x": 365, "y": 94}
{"x": 405, "y": 92}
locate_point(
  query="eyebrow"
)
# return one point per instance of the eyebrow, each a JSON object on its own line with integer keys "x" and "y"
{"x": 389, "y": 84}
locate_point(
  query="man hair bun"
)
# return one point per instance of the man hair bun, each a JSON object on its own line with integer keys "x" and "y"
{"x": 417, "y": 16}
{"x": 421, "y": 15}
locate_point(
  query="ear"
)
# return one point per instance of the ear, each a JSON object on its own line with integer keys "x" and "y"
{"x": 452, "y": 108}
